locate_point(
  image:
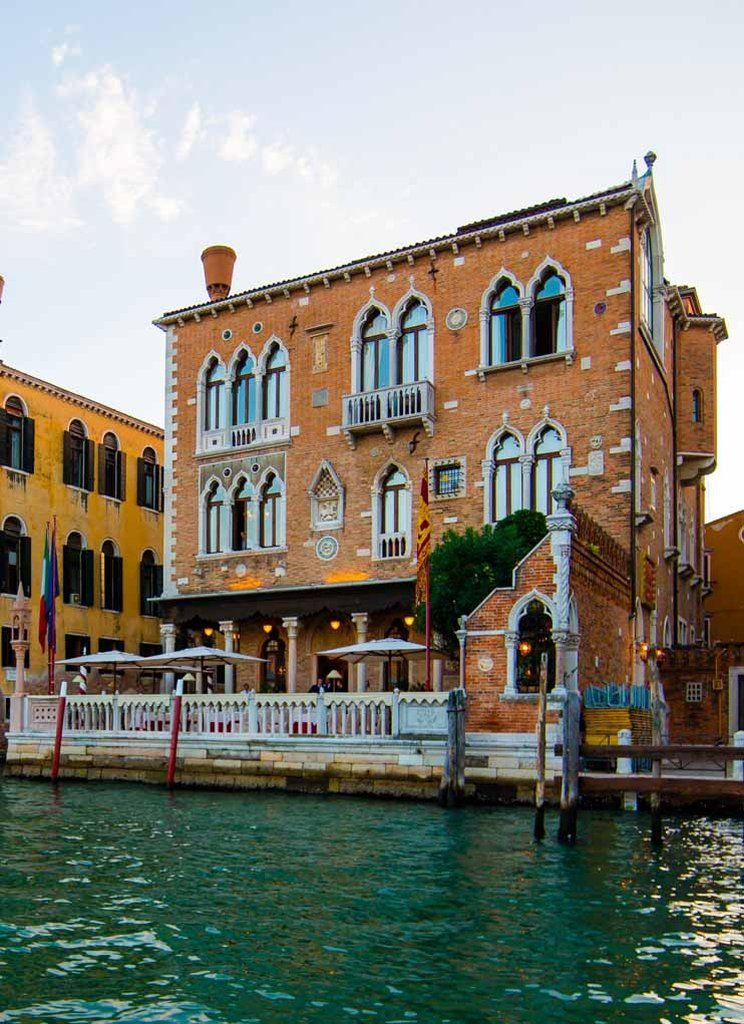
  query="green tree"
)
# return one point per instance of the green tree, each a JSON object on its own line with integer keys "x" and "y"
{"x": 465, "y": 568}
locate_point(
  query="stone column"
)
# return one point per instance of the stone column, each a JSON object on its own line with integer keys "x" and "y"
{"x": 292, "y": 627}
{"x": 561, "y": 527}
{"x": 560, "y": 639}
{"x": 462, "y": 637}
{"x": 361, "y": 621}
{"x": 168, "y": 640}
{"x": 20, "y": 620}
{"x": 437, "y": 673}
{"x": 511, "y": 640}
{"x": 227, "y": 628}
{"x": 525, "y": 306}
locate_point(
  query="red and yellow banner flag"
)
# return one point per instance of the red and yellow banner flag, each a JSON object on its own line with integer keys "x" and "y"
{"x": 423, "y": 540}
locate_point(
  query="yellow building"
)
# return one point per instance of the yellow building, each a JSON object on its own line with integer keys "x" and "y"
{"x": 724, "y": 557}
{"x": 99, "y": 471}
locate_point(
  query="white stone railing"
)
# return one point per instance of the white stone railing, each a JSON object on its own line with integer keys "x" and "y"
{"x": 245, "y": 435}
{"x": 388, "y": 405}
{"x": 372, "y": 716}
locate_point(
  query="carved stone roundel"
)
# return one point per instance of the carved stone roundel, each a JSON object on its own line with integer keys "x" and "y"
{"x": 326, "y": 548}
{"x": 456, "y": 318}
{"x": 485, "y": 664}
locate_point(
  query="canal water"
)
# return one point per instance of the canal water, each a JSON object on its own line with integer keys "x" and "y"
{"x": 123, "y": 903}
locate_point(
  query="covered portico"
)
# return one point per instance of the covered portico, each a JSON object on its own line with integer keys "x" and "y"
{"x": 289, "y": 627}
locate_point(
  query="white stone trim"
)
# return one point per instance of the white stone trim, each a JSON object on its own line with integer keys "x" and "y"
{"x": 484, "y": 313}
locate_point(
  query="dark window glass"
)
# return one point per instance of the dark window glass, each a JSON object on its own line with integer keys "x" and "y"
{"x": 109, "y": 643}
{"x": 550, "y": 317}
{"x": 535, "y": 639}
{"x": 111, "y": 578}
{"x": 149, "y": 481}
{"x": 76, "y": 455}
{"x": 76, "y": 645}
{"x": 151, "y": 583}
{"x": 273, "y": 675}
{"x": 697, "y": 406}
{"x": 241, "y": 518}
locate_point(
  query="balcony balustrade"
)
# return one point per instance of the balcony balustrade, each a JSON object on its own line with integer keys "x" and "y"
{"x": 246, "y": 435}
{"x": 387, "y": 408}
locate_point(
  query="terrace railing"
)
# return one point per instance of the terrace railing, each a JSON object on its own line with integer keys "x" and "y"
{"x": 364, "y": 716}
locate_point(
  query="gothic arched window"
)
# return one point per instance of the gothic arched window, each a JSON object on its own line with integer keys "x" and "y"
{"x": 535, "y": 640}
{"x": 413, "y": 344}
{"x": 394, "y": 515}
{"x": 214, "y": 391}
{"x": 242, "y": 517}
{"x": 275, "y": 385}
{"x": 505, "y": 326}
{"x": 375, "y": 352}
{"x": 549, "y": 316}
{"x": 213, "y": 538}
{"x": 271, "y": 514}
{"x": 506, "y": 487}
{"x": 245, "y": 408}
{"x": 546, "y": 469}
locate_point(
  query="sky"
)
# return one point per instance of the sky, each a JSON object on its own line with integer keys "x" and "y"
{"x": 307, "y": 134}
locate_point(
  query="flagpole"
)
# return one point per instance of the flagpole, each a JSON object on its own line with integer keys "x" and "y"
{"x": 428, "y": 598}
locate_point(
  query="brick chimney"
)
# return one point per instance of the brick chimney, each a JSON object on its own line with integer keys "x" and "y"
{"x": 218, "y": 261}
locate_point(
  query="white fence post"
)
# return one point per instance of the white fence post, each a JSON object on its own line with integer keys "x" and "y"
{"x": 321, "y": 715}
{"x": 625, "y": 767}
{"x": 115, "y": 714}
{"x": 395, "y": 715}
{"x": 252, "y": 713}
{"x": 738, "y": 766}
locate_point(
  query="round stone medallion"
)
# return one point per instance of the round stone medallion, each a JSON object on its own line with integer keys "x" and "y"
{"x": 485, "y": 664}
{"x": 326, "y": 548}
{"x": 456, "y": 318}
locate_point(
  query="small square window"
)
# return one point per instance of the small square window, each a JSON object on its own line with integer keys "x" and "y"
{"x": 694, "y": 692}
{"x": 447, "y": 479}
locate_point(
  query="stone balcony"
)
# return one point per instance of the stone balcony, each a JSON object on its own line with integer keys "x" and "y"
{"x": 387, "y": 408}
{"x": 245, "y": 435}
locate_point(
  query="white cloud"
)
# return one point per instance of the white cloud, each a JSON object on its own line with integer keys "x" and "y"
{"x": 191, "y": 132}
{"x": 34, "y": 193}
{"x": 63, "y": 51}
{"x": 277, "y": 158}
{"x": 118, "y": 153}
{"x": 240, "y": 143}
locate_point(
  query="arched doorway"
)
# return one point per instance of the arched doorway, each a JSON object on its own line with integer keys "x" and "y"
{"x": 535, "y": 639}
{"x": 273, "y": 670}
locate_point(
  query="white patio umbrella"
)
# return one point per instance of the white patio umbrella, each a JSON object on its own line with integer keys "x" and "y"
{"x": 196, "y": 658}
{"x": 104, "y": 661}
{"x": 383, "y": 650}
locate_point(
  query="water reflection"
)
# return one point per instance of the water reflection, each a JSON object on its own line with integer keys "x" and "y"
{"x": 124, "y": 904}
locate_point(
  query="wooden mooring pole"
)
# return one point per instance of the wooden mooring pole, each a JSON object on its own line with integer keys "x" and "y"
{"x": 542, "y": 711}
{"x": 568, "y": 822}
{"x": 452, "y": 786}
{"x": 657, "y": 829}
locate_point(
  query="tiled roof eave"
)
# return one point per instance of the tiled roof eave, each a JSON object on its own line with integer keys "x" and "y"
{"x": 612, "y": 197}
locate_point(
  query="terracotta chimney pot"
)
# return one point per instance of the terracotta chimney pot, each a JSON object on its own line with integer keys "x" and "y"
{"x": 218, "y": 261}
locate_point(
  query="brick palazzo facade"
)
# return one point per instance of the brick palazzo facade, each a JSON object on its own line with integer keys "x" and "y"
{"x": 525, "y": 350}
